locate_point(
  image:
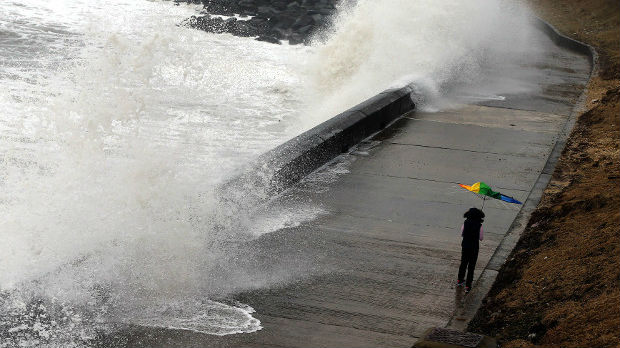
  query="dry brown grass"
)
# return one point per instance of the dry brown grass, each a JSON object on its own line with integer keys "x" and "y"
{"x": 561, "y": 286}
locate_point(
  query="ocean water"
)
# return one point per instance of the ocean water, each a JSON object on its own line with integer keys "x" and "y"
{"x": 117, "y": 126}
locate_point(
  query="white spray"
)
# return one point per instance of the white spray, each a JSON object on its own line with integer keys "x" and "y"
{"x": 437, "y": 46}
{"x": 117, "y": 127}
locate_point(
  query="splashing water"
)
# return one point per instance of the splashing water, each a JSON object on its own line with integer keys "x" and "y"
{"x": 118, "y": 126}
{"x": 441, "y": 47}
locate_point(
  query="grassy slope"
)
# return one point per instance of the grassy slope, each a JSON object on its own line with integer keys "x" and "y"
{"x": 561, "y": 285}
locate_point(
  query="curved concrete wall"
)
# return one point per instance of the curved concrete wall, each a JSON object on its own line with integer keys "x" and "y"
{"x": 568, "y": 43}
{"x": 305, "y": 153}
{"x": 288, "y": 163}
{"x": 581, "y": 48}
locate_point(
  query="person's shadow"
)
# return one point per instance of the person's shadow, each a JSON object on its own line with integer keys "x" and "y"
{"x": 459, "y": 303}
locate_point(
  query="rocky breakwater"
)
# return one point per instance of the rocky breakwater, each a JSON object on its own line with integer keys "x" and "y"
{"x": 267, "y": 20}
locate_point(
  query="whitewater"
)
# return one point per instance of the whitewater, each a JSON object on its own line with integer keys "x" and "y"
{"x": 118, "y": 126}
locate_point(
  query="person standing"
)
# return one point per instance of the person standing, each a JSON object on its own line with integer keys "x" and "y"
{"x": 472, "y": 234}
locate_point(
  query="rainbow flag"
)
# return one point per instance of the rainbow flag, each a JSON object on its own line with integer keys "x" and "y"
{"x": 483, "y": 189}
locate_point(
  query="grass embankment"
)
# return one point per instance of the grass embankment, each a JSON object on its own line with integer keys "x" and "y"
{"x": 561, "y": 285}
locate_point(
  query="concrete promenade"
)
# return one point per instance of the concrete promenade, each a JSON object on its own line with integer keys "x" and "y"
{"x": 385, "y": 256}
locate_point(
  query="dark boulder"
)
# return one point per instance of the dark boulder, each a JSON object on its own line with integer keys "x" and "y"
{"x": 207, "y": 23}
{"x": 302, "y": 22}
{"x": 267, "y": 11}
{"x": 305, "y": 31}
{"x": 285, "y": 21}
{"x": 259, "y": 23}
{"x": 281, "y": 33}
{"x": 295, "y": 39}
{"x": 220, "y": 10}
{"x": 317, "y": 17}
{"x": 269, "y": 39}
{"x": 271, "y": 20}
{"x": 244, "y": 29}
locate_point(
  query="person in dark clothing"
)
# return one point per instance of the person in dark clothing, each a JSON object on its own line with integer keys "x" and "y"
{"x": 472, "y": 234}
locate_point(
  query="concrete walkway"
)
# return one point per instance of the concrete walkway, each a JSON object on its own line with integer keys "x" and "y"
{"x": 384, "y": 259}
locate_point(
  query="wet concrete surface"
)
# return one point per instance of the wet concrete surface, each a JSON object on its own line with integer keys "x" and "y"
{"x": 379, "y": 267}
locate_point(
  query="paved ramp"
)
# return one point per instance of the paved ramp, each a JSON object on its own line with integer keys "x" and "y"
{"x": 384, "y": 259}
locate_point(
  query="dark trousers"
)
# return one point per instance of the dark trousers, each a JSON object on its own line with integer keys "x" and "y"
{"x": 469, "y": 256}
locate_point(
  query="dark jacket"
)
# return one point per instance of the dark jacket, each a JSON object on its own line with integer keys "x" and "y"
{"x": 471, "y": 234}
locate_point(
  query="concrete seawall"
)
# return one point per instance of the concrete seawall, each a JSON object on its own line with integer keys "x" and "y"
{"x": 568, "y": 43}
{"x": 287, "y": 164}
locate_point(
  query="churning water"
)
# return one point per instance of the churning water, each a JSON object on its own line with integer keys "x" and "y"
{"x": 447, "y": 49}
{"x": 117, "y": 126}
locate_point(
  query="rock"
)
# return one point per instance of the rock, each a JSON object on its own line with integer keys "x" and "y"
{"x": 272, "y": 20}
{"x": 211, "y": 24}
{"x": 246, "y": 4}
{"x": 280, "y": 5}
{"x": 267, "y": 11}
{"x": 220, "y": 10}
{"x": 244, "y": 29}
{"x": 230, "y": 24}
{"x": 285, "y": 21}
{"x": 269, "y": 39}
{"x": 302, "y": 22}
{"x": 293, "y": 6}
{"x": 305, "y": 30}
{"x": 327, "y": 11}
{"x": 295, "y": 39}
{"x": 281, "y": 33}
